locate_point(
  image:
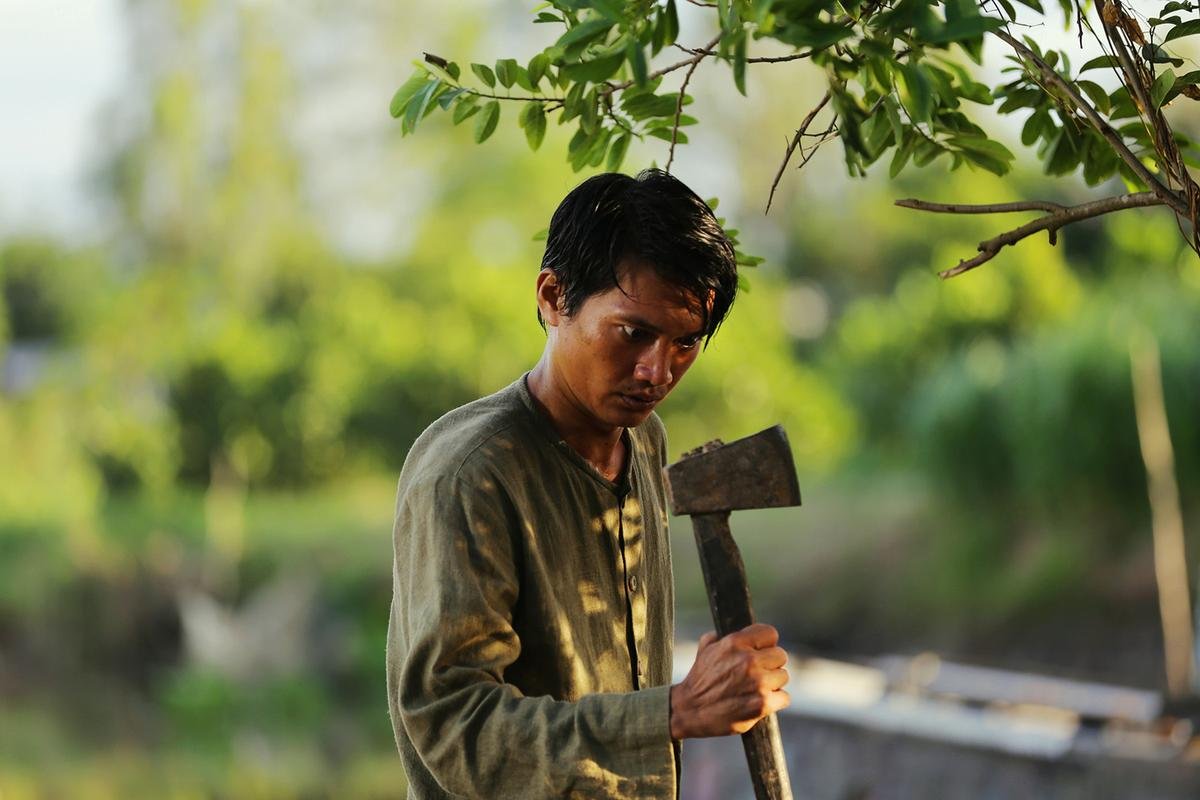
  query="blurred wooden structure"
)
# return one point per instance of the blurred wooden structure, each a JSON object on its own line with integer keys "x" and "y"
{"x": 920, "y": 727}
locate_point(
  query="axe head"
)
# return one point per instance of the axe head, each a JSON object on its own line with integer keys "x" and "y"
{"x": 755, "y": 472}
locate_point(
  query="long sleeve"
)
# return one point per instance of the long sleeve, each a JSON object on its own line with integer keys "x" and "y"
{"x": 458, "y": 576}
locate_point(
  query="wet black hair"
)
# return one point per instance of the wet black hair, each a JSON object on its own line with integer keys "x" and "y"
{"x": 652, "y": 219}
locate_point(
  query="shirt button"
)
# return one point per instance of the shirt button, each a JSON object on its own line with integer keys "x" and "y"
{"x": 633, "y": 583}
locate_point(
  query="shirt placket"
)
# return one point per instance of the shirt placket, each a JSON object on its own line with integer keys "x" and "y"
{"x": 630, "y": 539}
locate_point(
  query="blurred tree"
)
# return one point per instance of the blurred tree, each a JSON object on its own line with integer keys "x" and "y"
{"x": 893, "y": 85}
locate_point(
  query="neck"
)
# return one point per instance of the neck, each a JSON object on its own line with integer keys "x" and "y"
{"x": 601, "y": 445}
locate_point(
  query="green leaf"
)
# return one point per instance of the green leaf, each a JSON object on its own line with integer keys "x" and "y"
{"x": 537, "y": 69}
{"x": 986, "y": 153}
{"x": 616, "y": 153}
{"x": 406, "y": 92}
{"x": 596, "y": 70}
{"x": 1100, "y": 62}
{"x": 445, "y": 99}
{"x": 465, "y": 107}
{"x": 593, "y": 150}
{"x": 1064, "y": 154}
{"x": 506, "y": 72}
{"x": 902, "y": 154}
{"x": 533, "y": 120}
{"x": 636, "y": 57}
{"x": 417, "y": 106}
{"x": 485, "y": 74}
{"x": 1189, "y": 28}
{"x": 739, "y": 62}
{"x": 573, "y": 103}
{"x": 893, "y": 115}
{"x": 1096, "y": 94}
{"x": 672, "y": 24}
{"x": 1031, "y": 131}
{"x": 644, "y": 106}
{"x": 926, "y": 151}
{"x": 585, "y": 33}
{"x": 917, "y": 96}
{"x": 745, "y": 260}
{"x": 1162, "y": 84}
{"x": 967, "y": 28}
{"x": 665, "y": 135}
{"x": 610, "y": 9}
{"x": 486, "y": 124}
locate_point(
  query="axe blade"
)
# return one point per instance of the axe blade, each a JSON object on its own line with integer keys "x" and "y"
{"x": 754, "y": 472}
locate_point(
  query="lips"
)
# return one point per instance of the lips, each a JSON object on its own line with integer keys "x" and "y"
{"x": 641, "y": 401}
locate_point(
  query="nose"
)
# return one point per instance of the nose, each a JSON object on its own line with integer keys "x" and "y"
{"x": 654, "y": 366}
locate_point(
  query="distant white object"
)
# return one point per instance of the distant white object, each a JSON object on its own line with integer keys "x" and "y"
{"x": 1026, "y": 715}
{"x": 264, "y": 638}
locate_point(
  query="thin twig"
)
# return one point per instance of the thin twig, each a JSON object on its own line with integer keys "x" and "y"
{"x": 791, "y": 148}
{"x": 679, "y": 102}
{"x": 755, "y": 60}
{"x": 478, "y": 93}
{"x": 1059, "y": 217}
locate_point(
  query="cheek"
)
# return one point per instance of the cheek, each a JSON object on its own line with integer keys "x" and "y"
{"x": 683, "y": 364}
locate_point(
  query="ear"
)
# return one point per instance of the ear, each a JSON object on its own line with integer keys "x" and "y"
{"x": 549, "y": 297}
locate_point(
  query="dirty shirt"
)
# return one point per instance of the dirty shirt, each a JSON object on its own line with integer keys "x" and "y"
{"x": 529, "y": 646}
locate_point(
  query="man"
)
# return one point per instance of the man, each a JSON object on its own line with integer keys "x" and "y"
{"x": 529, "y": 650}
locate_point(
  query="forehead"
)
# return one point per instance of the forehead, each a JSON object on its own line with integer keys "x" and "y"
{"x": 641, "y": 291}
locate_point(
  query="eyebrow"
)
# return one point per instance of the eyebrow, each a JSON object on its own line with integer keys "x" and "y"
{"x": 647, "y": 325}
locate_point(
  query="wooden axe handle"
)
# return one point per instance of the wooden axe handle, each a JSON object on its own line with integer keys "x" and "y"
{"x": 729, "y": 599}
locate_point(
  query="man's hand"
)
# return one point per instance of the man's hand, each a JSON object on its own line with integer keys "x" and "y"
{"x": 735, "y": 682}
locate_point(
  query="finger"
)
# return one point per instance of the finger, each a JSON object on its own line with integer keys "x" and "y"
{"x": 774, "y": 680}
{"x": 777, "y": 701}
{"x": 757, "y": 636}
{"x": 706, "y": 640}
{"x": 771, "y": 657}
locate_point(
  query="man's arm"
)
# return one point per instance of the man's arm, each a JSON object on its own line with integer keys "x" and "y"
{"x": 451, "y": 640}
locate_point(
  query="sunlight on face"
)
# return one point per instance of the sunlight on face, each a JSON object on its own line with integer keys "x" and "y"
{"x": 626, "y": 348}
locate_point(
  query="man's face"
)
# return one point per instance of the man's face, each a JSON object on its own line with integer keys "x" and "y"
{"x": 622, "y": 352}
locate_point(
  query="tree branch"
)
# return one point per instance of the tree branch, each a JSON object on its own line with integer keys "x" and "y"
{"x": 683, "y": 93}
{"x": 791, "y": 148}
{"x": 1058, "y": 217}
{"x": 754, "y": 60}
{"x": 478, "y": 93}
{"x": 1170, "y": 198}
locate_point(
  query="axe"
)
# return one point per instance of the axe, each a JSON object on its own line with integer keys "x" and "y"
{"x": 708, "y": 483}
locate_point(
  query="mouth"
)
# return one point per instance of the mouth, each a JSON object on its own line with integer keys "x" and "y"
{"x": 640, "y": 402}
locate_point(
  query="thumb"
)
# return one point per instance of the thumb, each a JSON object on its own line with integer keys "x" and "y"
{"x": 706, "y": 640}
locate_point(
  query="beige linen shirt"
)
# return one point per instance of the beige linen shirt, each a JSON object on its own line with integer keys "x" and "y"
{"x": 529, "y": 646}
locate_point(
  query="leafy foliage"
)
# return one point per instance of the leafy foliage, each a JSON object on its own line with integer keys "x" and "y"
{"x": 896, "y": 87}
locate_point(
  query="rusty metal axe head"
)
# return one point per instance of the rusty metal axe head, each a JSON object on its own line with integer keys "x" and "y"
{"x": 755, "y": 472}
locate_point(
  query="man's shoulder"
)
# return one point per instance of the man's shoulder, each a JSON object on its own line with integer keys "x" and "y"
{"x": 480, "y": 431}
{"x": 653, "y": 435}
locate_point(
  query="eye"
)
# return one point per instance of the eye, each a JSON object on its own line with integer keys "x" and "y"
{"x": 689, "y": 342}
{"x": 632, "y": 333}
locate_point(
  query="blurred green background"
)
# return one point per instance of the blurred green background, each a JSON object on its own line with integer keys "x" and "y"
{"x": 217, "y": 345}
